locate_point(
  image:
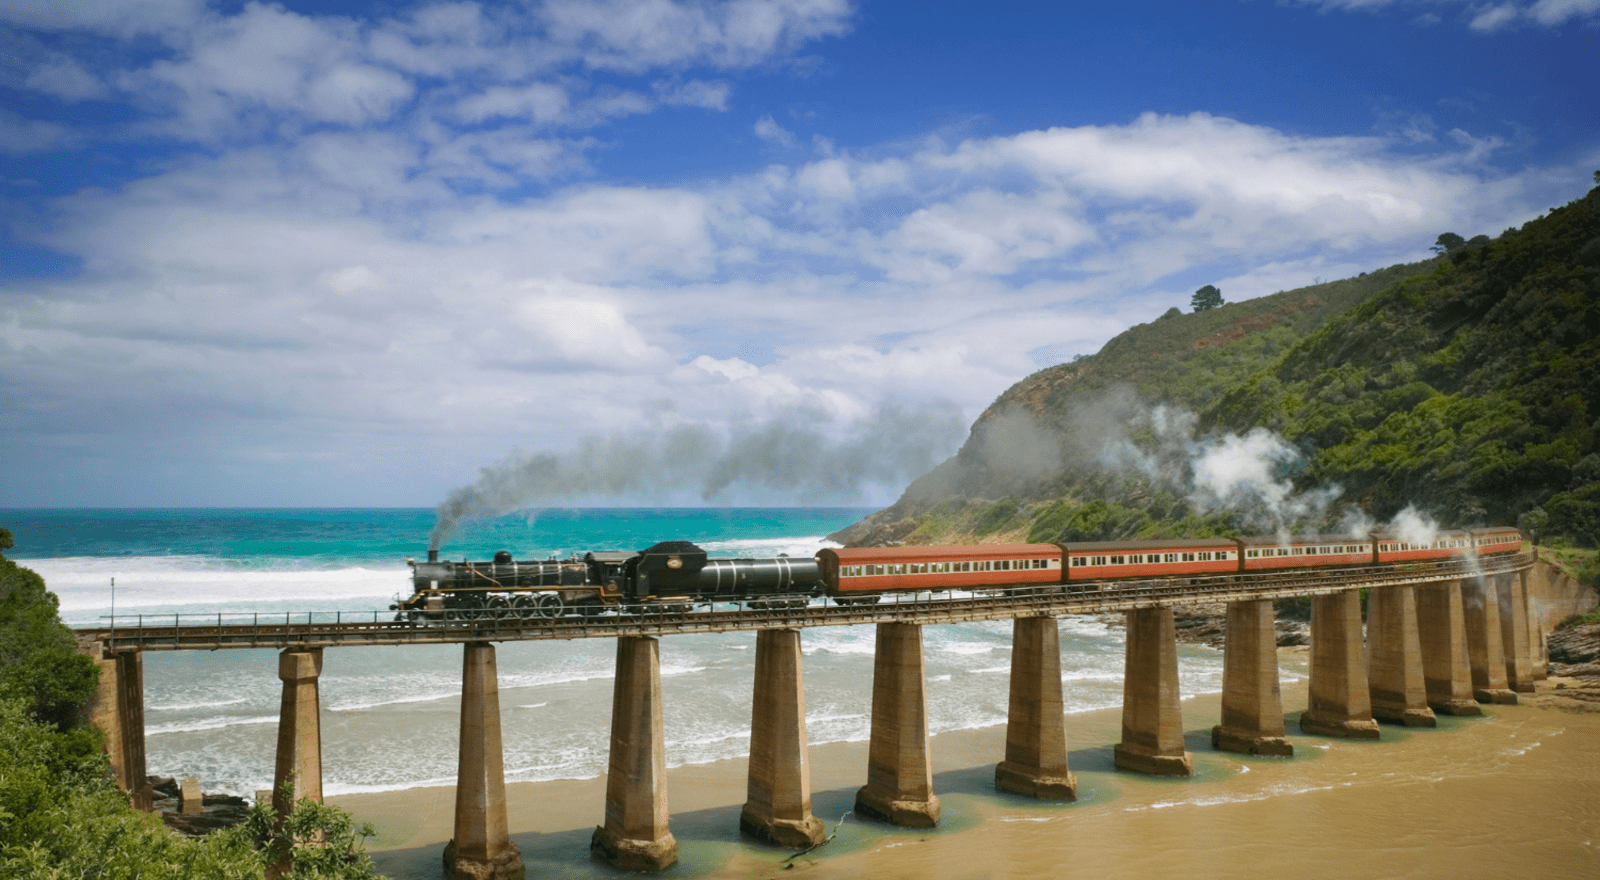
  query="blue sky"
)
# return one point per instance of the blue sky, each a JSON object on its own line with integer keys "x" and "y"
{"x": 348, "y": 253}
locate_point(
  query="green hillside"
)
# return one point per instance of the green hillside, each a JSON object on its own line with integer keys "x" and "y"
{"x": 1467, "y": 386}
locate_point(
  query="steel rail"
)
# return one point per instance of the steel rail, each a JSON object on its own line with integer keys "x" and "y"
{"x": 322, "y": 629}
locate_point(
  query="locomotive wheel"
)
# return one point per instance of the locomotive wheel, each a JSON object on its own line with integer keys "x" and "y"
{"x": 497, "y": 607}
{"x": 525, "y": 607}
{"x": 471, "y": 608}
{"x": 548, "y": 605}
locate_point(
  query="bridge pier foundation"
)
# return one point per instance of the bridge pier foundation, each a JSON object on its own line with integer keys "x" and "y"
{"x": 636, "y": 836}
{"x": 299, "y": 730}
{"x": 778, "y": 803}
{"x": 481, "y": 848}
{"x": 1036, "y": 730}
{"x": 1339, "y": 701}
{"x": 899, "y": 787}
{"x": 1485, "y": 644}
{"x": 1252, "y": 702}
{"x": 1514, "y": 633}
{"x": 1396, "y": 685}
{"x": 1442, "y": 634}
{"x": 118, "y": 710}
{"x": 1152, "y": 722}
{"x": 1538, "y": 658}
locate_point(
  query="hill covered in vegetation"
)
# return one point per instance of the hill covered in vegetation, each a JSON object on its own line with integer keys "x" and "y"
{"x": 1462, "y": 391}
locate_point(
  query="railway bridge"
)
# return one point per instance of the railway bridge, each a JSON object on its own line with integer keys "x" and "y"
{"x": 1440, "y": 638}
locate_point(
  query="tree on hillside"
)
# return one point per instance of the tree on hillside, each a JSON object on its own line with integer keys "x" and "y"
{"x": 1447, "y": 242}
{"x": 1206, "y": 298}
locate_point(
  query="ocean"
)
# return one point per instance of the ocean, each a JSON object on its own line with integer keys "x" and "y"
{"x": 390, "y": 714}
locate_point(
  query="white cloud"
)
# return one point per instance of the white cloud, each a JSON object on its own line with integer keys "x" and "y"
{"x": 20, "y": 135}
{"x": 1494, "y": 18}
{"x": 1482, "y": 17}
{"x": 1558, "y": 12}
{"x": 120, "y": 18}
{"x": 64, "y": 78}
{"x": 770, "y": 131}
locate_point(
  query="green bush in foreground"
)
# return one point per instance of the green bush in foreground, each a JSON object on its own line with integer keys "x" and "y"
{"x": 62, "y": 817}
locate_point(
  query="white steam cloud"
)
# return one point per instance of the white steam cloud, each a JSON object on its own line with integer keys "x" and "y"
{"x": 1250, "y": 474}
{"x": 801, "y": 456}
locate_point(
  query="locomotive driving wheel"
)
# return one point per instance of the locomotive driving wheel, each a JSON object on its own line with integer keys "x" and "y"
{"x": 497, "y": 607}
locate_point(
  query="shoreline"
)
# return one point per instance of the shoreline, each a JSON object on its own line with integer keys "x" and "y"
{"x": 1521, "y": 774}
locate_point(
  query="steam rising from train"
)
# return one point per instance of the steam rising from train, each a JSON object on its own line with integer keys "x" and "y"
{"x": 801, "y": 456}
{"x": 1251, "y": 475}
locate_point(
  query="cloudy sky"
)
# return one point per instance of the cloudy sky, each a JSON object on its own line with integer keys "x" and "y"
{"x": 350, "y": 252}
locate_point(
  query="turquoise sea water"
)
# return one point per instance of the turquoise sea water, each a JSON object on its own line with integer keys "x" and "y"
{"x": 390, "y": 714}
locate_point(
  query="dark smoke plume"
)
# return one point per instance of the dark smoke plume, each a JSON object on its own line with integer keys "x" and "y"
{"x": 800, "y": 456}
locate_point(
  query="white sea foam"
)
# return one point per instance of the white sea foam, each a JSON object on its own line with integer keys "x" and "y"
{"x": 186, "y": 584}
{"x": 215, "y": 723}
{"x": 202, "y": 704}
{"x": 800, "y": 547}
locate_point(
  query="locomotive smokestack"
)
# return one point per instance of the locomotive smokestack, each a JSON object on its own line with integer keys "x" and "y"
{"x": 433, "y": 556}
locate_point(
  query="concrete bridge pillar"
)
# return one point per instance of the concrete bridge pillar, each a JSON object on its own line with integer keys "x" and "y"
{"x": 1442, "y": 631}
{"x": 1514, "y": 632}
{"x": 1394, "y": 659}
{"x": 482, "y": 847}
{"x": 636, "y": 836}
{"x": 1036, "y": 730}
{"x": 118, "y": 710}
{"x": 1485, "y": 644}
{"x": 1252, "y": 704}
{"x": 299, "y": 729}
{"x": 1339, "y": 703}
{"x": 1152, "y": 723}
{"x": 778, "y": 804}
{"x": 1538, "y": 659}
{"x": 899, "y": 787}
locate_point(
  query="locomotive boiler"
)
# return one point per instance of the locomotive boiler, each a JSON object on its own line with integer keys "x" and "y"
{"x": 670, "y": 577}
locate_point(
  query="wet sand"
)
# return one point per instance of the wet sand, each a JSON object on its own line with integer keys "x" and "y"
{"x": 1514, "y": 794}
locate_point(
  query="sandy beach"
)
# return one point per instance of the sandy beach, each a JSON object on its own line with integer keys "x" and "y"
{"x": 1516, "y": 793}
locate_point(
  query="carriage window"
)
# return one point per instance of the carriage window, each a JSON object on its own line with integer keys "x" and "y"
{"x": 1119, "y": 560}
{"x": 1170, "y": 557}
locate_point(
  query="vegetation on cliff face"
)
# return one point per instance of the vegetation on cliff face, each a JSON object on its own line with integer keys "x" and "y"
{"x": 1466, "y": 387}
{"x": 60, "y": 814}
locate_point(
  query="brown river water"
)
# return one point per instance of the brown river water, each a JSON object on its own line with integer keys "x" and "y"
{"x": 1515, "y": 794}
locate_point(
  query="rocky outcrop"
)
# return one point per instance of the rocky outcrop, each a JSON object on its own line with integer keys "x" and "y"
{"x": 218, "y": 810}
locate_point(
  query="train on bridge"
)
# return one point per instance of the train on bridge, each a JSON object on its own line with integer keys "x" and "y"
{"x": 674, "y": 576}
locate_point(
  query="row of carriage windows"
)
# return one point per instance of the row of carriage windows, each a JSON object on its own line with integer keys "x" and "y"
{"x": 982, "y": 565}
{"x": 947, "y": 567}
{"x": 1330, "y": 550}
{"x": 1152, "y": 558}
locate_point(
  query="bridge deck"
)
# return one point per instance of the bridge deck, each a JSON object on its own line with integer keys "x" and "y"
{"x": 321, "y": 629}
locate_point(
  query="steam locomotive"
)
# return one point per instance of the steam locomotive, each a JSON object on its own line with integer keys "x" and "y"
{"x": 674, "y": 576}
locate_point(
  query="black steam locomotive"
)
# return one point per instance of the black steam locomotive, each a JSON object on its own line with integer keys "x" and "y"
{"x": 670, "y": 577}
